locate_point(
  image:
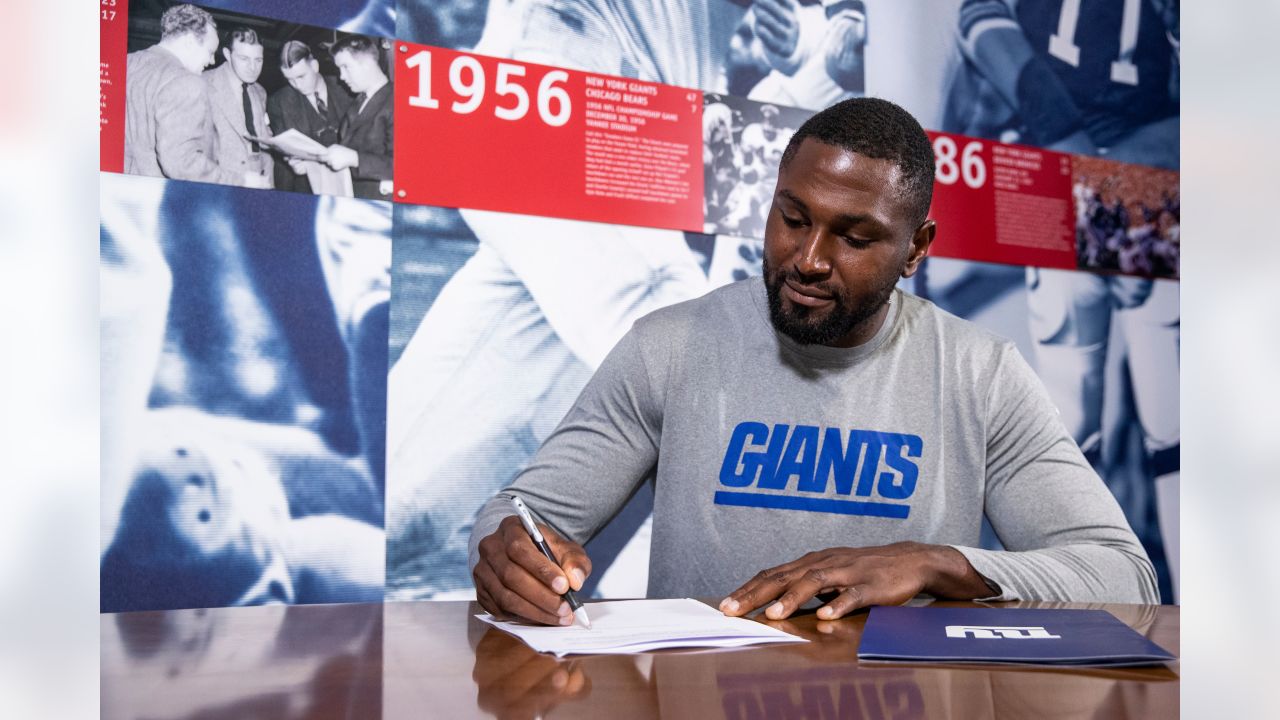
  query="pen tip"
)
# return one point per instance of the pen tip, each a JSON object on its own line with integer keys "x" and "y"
{"x": 581, "y": 615}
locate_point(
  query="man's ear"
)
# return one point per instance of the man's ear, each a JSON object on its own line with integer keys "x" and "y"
{"x": 226, "y": 53}
{"x": 920, "y": 243}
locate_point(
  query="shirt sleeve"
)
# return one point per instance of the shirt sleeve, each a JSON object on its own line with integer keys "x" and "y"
{"x": 182, "y": 133}
{"x": 602, "y": 452}
{"x": 1065, "y": 536}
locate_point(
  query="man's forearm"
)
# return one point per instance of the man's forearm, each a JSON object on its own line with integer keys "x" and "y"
{"x": 1075, "y": 573}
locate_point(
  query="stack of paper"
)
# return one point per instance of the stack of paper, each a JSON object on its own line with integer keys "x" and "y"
{"x": 633, "y": 626}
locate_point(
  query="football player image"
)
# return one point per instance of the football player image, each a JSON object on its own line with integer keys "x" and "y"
{"x": 828, "y": 63}
{"x": 498, "y": 357}
{"x": 1081, "y": 76}
{"x": 1096, "y": 78}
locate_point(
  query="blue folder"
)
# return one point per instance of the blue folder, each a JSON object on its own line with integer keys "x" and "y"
{"x": 1078, "y": 638}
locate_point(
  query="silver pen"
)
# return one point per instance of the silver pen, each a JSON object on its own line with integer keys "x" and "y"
{"x": 526, "y": 519}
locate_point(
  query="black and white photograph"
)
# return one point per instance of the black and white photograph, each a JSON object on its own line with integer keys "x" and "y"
{"x": 742, "y": 144}
{"x": 223, "y": 97}
{"x": 244, "y": 341}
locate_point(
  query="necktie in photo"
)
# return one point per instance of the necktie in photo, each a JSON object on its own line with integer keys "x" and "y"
{"x": 321, "y": 107}
{"x": 248, "y": 114}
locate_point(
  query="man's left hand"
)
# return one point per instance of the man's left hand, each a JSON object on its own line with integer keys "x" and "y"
{"x": 885, "y": 575}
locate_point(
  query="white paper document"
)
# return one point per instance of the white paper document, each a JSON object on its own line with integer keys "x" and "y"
{"x": 293, "y": 143}
{"x": 631, "y": 626}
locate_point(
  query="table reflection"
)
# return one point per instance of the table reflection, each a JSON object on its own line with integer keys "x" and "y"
{"x": 435, "y": 660}
{"x": 301, "y": 661}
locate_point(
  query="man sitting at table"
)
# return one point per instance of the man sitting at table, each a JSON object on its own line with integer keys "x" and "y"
{"x": 818, "y": 423}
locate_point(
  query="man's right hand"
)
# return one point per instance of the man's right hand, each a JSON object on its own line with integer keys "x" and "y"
{"x": 513, "y": 579}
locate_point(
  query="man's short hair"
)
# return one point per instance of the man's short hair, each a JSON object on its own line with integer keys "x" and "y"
{"x": 182, "y": 19}
{"x": 294, "y": 52}
{"x": 356, "y": 45}
{"x": 248, "y": 36}
{"x": 877, "y": 129}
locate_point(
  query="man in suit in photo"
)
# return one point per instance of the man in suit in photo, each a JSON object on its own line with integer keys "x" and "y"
{"x": 240, "y": 108}
{"x": 168, "y": 118}
{"x": 365, "y": 138}
{"x": 312, "y": 103}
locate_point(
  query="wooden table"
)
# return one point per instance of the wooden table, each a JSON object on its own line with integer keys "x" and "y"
{"x": 434, "y": 660}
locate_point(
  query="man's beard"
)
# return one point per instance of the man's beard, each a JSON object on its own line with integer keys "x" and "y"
{"x": 807, "y": 327}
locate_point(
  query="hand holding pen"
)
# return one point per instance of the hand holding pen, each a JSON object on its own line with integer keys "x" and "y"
{"x": 526, "y": 519}
{"x": 515, "y": 578}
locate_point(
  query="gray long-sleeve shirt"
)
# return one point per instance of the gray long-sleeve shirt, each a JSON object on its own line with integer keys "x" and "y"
{"x": 761, "y": 450}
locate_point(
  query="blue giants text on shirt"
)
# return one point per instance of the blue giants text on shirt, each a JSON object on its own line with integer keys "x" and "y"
{"x": 793, "y": 469}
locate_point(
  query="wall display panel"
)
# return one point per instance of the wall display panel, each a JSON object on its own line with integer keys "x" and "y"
{"x": 257, "y": 102}
{"x": 524, "y": 249}
{"x": 577, "y": 145}
{"x": 622, "y": 148}
{"x": 618, "y": 148}
{"x": 244, "y": 340}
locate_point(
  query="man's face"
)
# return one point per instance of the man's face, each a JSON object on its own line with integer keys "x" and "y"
{"x": 197, "y": 50}
{"x": 303, "y": 76}
{"x": 357, "y": 70}
{"x": 839, "y": 236}
{"x": 245, "y": 59}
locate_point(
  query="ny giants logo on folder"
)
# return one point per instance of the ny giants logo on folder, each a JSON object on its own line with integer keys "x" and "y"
{"x": 871, "y": 472}
{"x": 997, "y": 632}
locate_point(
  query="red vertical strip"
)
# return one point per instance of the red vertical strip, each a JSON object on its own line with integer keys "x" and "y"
{"x": 114, "y": 46}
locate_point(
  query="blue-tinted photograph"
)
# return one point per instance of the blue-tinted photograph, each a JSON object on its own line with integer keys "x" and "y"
{"x": 244, "y": 356}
